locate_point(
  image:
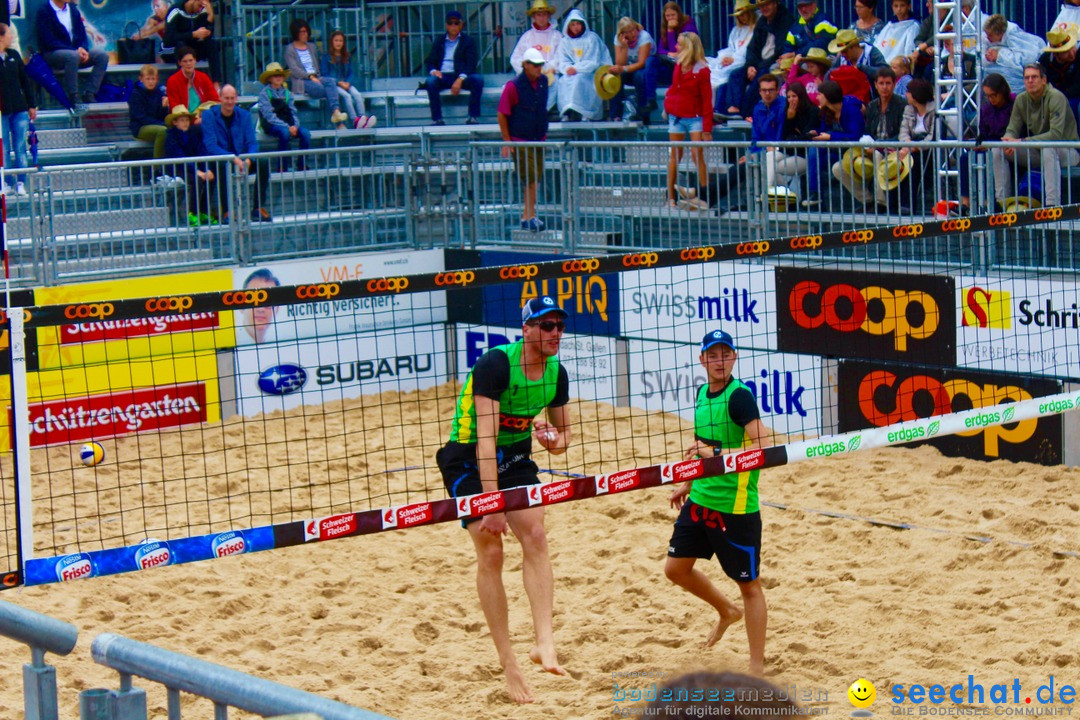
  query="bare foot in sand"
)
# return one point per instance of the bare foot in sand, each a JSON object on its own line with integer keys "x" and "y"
{"x": 732, "y": 616}
{"x": 547, "y": 659}
{"x": 757, "y": 669}
{"x": 516, "y": 685}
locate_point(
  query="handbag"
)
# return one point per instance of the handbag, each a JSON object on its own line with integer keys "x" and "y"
{"x": 135, "y": 52}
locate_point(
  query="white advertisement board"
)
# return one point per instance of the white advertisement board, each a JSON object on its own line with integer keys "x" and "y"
{"x": 589, "y": 359}
{"x": 665, "y": 377}
{"x": 333, "y": 316}
{"x": 1018, "y": 325}
{"x": 285, "y": 375}
{"x": 683, "y": 303}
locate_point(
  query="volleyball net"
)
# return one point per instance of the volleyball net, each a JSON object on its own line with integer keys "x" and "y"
{"x": 248, "y": 409}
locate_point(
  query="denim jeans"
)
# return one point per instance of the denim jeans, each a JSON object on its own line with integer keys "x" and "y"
{"x": 352, "y": 102}
{"x": 68, "y": 61}
{"x": 14, "y": 134}
{"x": 325, "y": 89}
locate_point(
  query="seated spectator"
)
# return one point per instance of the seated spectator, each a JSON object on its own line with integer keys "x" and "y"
{"x": 543, "y": 37}
{"x": 1069, "y": 15}
{"x": 810, "y": 71}
{"x": 733, "y": 57}
{"x": 580, "y": 53}
{"x": 1059, "y": 62}
{"x": 302, "y": 61}
{"x": 522, "y": 118}
{"x": 898, "y": 36}
{"x": 230, "y": 130}
{"x": 63, "y": 43}
{"x": 1041, "y": 113}
{"x": 857, "y": 54}
{"x": 916, "y": 126}
{"x": 841, "y": 121}
{"x": 452, "y": 64}
{"x": 187, "y": 86}
{"x": 688, "y": 104}
{"x": 884, "y": 115}
{"x": 762, "y": 52}
{"x": 1008, "y": 50}
{"x": 190, "y": 24}
{"x": 633, "y": 47}
{"x": 147, "y": 108}
{"x": 867, "y": 24}
{"x": 336, "y": 63}
{"x": 155, "y": 24}
{"x": 994, "y": 114}
{"x": 183, "y": 140}
{"x": 661, "y": 64}
{"x": 278, "y": 115}
{"x": 922, "y": 57}
{"x": 901, "y": 67}
{"x": 812, "y": 29}
{"x": 17, "y": 100}
{"x": 801, "y": 118}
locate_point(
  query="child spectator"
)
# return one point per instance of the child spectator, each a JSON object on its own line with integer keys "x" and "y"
{"x": 810, "y": 71}
{"x": 898, "y": 35}
{"x": 336, "y": 63}
{"x": 147, "y": 108}
{"x": 278, "y": 112}
{"x": 901, "y": 67}
{"x": 182, "y": 140}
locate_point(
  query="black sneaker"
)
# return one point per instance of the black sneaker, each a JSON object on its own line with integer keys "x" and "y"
{"x": 438, "y": 123}
{"x": 811, "y": 200}
{"x": 472, "y": 121}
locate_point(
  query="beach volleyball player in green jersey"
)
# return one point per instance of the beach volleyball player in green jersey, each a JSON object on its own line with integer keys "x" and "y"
{"x": 721, "y": 516}
{"x": 490, "y": 449}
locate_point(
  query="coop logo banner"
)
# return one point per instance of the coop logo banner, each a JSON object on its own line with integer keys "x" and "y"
{"x": 1024, "y": 326}
{"x": 321, "y": 312}
{"x": 867, "y": 315}
{"x": 666, "y": 377}
{"x": 589, "y": 360}
{"x": 880, "y": 394}
{"x": 591, "y": 300}
{"x": 314, "y": 371}
{"x": 682, "y": 303}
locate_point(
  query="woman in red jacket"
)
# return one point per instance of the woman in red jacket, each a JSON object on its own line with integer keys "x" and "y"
{"x": 187, "y": 86}
{"x": 689, "y": 107}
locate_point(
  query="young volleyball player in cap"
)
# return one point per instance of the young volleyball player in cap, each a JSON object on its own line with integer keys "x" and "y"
{"x": 490, "y": 449}
{"x": 719, "y": 515}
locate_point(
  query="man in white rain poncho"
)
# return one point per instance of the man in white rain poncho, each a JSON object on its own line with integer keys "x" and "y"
{"x": 580, "y": 53}
{"x": 543, "y": 36}
{"x": 898, "y": 36}
{"x": 1070, "y": 14}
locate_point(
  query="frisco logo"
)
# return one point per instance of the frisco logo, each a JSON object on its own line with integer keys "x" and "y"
{"x": 407, "y": 516}
{"x": 73, "y": 567}
{"x": 749, "y": 460}
{"x": 228, "y": 543}
{"x": 551, "y": 493}
{"x": 480, "y": 504}
{"x": 617, "y": 482}
{"x": 328, "y": 528}
{"x": 153, "y": 554}
{"x": 681, "y": 471}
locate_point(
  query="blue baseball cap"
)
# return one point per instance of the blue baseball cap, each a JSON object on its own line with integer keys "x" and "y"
{"x": 716, "y": 337}
{"x": 454, "y": 15}
{"x": 540, "y": 306}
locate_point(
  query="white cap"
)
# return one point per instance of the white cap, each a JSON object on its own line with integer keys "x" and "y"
{"x": 534, "y": 56}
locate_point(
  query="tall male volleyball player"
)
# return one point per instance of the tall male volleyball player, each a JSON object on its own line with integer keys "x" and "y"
{"x": 490, "y": 449}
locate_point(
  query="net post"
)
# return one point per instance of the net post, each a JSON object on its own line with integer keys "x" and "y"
{"x": 20, "y": 448}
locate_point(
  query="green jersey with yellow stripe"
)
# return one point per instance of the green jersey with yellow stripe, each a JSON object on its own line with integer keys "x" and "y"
{"x": 734, "y": 493}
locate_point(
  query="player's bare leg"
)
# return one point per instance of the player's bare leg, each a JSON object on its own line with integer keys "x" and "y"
{"x": 492, "y": 592}
{"x": 528, "y": 527}
{"x": 682, "y": 572}
{"x": 757, "y": 619}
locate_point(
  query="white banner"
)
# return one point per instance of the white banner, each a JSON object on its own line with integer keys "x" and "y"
{"x": 1022, "y": 326}
{"x": 589, "y": 359}
{"x": 332, "y": 316}
{"x": 683, "y": 303}
{"x": 665, "y": 377}
{"x": 313, "y": 371}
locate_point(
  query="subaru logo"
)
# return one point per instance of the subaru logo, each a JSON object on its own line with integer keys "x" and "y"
{"x": 282, "y": 379}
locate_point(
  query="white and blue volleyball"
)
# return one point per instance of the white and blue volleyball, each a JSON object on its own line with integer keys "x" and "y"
{"x": 91, "y": 454}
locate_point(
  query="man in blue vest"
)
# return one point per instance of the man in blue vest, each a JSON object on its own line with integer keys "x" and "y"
{"x": 523, "y": 118}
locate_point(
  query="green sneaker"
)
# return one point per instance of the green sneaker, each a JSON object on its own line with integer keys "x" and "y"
{"x": 193, "y": 220}
{"x": 204, "y": 219}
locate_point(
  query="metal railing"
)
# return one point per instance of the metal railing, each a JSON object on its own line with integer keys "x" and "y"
{"x": 42, "y": 634}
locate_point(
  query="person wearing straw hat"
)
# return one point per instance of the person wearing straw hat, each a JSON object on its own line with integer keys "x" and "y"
{"x": 884, "y": 114}
{"x": 731, "y": 58}
{"x": 810, "y": 71}
{"x": 857, "y": 53}
{"x": 1059, "y": 61}
{"x": 633, "y": 47}
{"x": 761, "y": 54}
{"x": 543, "y": 37}
{"x": 891, "y": 172}
{"x": 182, "y": 140}
{"x": 523, "y": 118}
{"x": 451, "y": 64}
{"x": 278, "y": 115}
{"x": 1041, "y": 113}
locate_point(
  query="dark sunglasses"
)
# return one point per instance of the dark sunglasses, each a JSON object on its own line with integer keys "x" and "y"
{"x": 453, "y": 22}
{"x": 550, "y": 325}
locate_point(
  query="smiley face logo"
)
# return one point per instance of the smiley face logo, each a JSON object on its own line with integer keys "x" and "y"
{"x": 862, "y": 693}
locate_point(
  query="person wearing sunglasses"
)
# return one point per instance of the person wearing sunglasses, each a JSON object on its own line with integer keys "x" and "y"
{"x": 452, "y": 64}
{"x": 490, "y": 448}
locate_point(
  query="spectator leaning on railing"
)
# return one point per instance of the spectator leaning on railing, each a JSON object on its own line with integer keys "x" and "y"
{"x": 230, "y": 130}
{"x": 63, "y": 42}
{"x": 17, "y": 102}
{"x": 451, "y": 64}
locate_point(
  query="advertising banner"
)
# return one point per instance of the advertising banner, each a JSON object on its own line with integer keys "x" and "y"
{"x": 844, "y": 313}
{"x": 665, "y": 377}
{"x": 323, "y": 313}
{"x": 589, "y": 360}
{"x": 94, "y": 336}
{"x": 1023, "y": 326}
{"x": 18, "y": 298}
{"x": 681, "y": 304}
{"x": 875, "y": 394}
{"x": 313, "y": 371}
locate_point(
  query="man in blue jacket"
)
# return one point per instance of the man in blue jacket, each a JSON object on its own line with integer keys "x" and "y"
{"x": 452, "y": 64}
{"x": 230, "y": 130}
{"x": 63, "y": 43}
{"x": 813, "y": 28}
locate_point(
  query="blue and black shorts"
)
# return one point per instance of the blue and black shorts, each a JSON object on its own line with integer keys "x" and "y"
{"x": 735, "y": 539}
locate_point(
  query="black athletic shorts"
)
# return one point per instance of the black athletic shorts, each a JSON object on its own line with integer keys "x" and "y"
{"x": 734, "y": 539}
{"x": 457, "y": 462}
